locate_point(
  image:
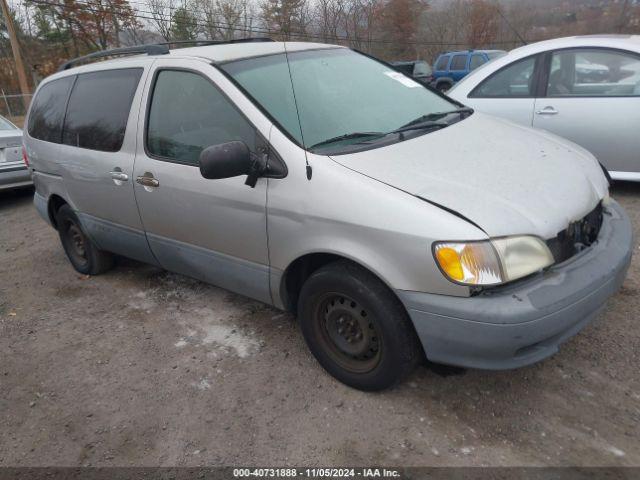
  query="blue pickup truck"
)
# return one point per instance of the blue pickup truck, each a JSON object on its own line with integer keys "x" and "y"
{"x": 451, "y": 67}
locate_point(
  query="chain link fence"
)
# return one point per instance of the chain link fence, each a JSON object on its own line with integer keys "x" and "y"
{"x": 14, "y": 107}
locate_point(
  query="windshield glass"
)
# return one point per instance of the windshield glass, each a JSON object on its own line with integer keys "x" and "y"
{"x": 422, "y": 68}
{"x": 338, "y": 92}
{"x": 5, "y": 125}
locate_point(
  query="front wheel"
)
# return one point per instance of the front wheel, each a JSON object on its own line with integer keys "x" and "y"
{"x": 83, "y": 254}
{"x": 356, "y": 328}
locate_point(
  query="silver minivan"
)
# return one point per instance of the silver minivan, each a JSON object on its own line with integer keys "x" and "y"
{"x": 396, "y": 223}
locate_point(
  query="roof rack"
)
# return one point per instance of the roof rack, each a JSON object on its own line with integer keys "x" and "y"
{"x": 157, "y": 49}
{"x": 153, "y": 49}
{"x": 218, "y": 42}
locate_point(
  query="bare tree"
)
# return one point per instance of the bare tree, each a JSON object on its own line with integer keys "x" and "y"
{"x": 287, "y": 18}
{"x": 330, "y": 19}
{"x": 361, "y": 21}
{"x": 161, "y": 12}
{"x": 483, "y": 23}
{"x": 226, "y": 19}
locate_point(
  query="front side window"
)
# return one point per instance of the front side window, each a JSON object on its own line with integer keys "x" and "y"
{"x": 593, "y": 73}
{"x": 459, "y": 62}
{"x": 188, "y": 114}
{"x": 515, "y": 80}
{"x": 47, "y": 110}
{"x": 442, "y": 63}
{"x": 338, "y": 93}
{"x": 99, "y": 108}
{"x": 476, "y": 61}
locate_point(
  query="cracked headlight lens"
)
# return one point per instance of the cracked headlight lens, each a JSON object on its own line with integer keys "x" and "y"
{"x": 491, "y": 262}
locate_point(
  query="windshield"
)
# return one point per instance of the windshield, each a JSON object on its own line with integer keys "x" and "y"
{"x": 5, "y": 125}
{"x": 340, "y": 94}
{"x": 422, "y": 68}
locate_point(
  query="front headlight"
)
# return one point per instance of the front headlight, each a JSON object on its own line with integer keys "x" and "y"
{"x": 490, "y": 262}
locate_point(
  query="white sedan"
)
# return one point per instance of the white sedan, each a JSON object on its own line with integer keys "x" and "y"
{"x": 585, "y": 89}
{"x": 13, "y": 171}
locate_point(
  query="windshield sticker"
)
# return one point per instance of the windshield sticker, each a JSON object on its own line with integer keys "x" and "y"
{"x": 399, "y": 77}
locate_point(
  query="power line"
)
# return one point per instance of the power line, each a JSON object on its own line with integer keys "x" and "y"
{"x": 510, "y": 26}
{"x": 257, "y": 30}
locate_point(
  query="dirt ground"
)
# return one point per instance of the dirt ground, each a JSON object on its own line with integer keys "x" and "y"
{"x": 143, "y": 367}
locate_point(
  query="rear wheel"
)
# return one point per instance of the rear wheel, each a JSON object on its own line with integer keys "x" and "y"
{"x": 85, "y": 257}
{"x": 356, "y": 328}
{"x": 443, "y": 87}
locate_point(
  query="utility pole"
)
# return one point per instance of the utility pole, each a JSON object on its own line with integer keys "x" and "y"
{"x": 13, "y": 38}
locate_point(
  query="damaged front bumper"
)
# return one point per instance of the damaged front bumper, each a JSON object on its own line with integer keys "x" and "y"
{"x": 520, "y": 324}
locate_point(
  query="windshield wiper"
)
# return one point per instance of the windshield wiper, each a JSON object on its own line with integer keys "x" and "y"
{"x": 425, "y": 125}
{"x": 347, "y": 136}
{"x": 433, "y": 116}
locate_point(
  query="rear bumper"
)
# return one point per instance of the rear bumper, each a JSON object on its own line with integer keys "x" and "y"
{"x": 42, "y": 207}
{"x": 527, "y": 322}
{"x": 14, "y": 176}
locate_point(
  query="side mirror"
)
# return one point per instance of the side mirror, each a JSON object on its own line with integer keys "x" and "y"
{"x": 225, "y": 160}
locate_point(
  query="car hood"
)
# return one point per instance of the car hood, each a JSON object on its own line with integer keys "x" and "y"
{"x": 505, "y": 178}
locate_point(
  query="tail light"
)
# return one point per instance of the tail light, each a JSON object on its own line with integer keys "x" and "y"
{"x": 25, "y": 159}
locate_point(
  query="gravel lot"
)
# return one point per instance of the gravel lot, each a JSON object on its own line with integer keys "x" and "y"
{"x": 143, "y": 367}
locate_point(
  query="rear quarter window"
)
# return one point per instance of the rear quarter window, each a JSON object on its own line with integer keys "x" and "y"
{"x": 47, "y": 110}
{"x": 99, "y": 107}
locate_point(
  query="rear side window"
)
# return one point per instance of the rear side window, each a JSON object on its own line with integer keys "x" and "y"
{"x": 515, "y": 80}
{"x": 459, "y": 62}
{"x": 188, "y": 114}
{"x": 47, "y": 110}
{"x": 442, "y": 63}
{"x": 99, "y": 108}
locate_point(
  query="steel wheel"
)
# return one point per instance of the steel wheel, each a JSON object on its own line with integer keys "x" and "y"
{"x": 348, "y": 333}
{"x": 76, "y": 242}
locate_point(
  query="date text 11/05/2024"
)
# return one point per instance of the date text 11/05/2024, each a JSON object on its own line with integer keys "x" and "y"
{"x": 316, "y": 472}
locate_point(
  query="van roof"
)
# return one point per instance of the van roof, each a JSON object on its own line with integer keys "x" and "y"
{"x": 236, "y": 51}
{"x": 217, "y": 53}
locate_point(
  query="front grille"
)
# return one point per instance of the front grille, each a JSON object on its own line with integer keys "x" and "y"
{"x": 577, "y": 236}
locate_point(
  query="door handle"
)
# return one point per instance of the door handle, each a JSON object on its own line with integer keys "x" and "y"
{"x": 547, "y": 111}
{"x": 123, "y": 177}
{"x": 147, "y": 181}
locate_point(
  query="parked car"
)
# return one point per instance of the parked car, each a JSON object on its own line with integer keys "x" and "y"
{"x": 452, "y": 67}
{"x": 318, "y": 180}
{"x": 13, "y": 171}
{"x": 419, "y": 70}
{"x": 585, "y": 89}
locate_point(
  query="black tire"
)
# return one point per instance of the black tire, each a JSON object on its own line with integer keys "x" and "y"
{"x": 364, "y": 338}
{"x": 443, "y": 87}
{"x": 85, "y": 257}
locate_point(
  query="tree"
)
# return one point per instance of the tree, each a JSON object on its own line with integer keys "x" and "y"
{"x": 184, "y": 25}
{"x": 92, "y": 24}
{"x": 399, "y": 23}
{"x": 287, "y": 18}
{"x": 226, "y": 19}
{"x": 483, "y": 23}
{"x": 161, "y": 12}
{"x": 330, "y": 18}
